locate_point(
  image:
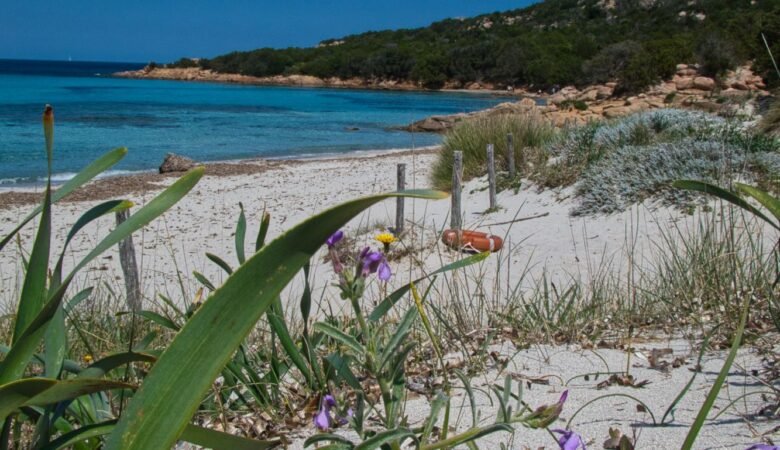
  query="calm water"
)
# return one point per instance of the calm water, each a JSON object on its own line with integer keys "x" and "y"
{"x": 95, "y": 113}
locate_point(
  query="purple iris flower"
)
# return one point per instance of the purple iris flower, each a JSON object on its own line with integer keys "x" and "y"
{"x": 373, "y": 262}
{"x": 334, "y": 239}
{"x": 763, "y": 447}
{"x": 569, "y": 440}
{"x": 322, "y": 419}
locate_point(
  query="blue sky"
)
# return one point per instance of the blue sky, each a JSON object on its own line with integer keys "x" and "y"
{"x": 164, "y": 30}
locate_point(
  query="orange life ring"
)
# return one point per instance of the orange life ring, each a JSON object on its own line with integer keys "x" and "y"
{"x": 471, "y": 239}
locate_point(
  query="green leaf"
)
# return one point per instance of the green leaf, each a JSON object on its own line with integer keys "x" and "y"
{"x": 220, "y": 262}
{"x": 160, "y": 409}
{"x": 279, "y": 327}
{"x": 33, "y": 294}
{"x": 723, "y": 194}
{"x": 385, "y": 305}
{"x": 385, "y": 437}
{"x": 263, "y": 232}
{"x": 156, "y": 318}
{"x": 88, "y": 173}
{"x": 342, "y": 368}
{"x": 195, "y": 435}
{"x": 17, "y": 358}
{"x": 436, "y": 406}
{"x": 470, "y": 393}
{"x": 328, "y": 437}
{"x": 769, "y": 202}
{"x": 340, "y": 336}
{"x": 204, "y": 437}
{"x": 468, "y": 436}
{"x": 104, "y": 365}
{"x": 398, "y": 337}
{"x": 46, "y": 391}
{"x": 693, "y": 432}
{"x": 240, "y": 235}
{"x": 203, "y": 280}
{"x": 81, "y": 434}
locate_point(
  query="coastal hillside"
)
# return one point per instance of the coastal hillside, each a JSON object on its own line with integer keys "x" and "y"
{"x": 554, "y": 42}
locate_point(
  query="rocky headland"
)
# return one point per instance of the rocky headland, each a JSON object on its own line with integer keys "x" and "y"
{"x": 572, "y": 106}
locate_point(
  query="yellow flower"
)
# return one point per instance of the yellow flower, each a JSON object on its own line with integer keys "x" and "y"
{"x": 386, "y": 238}
{"x": 87, "y": 359}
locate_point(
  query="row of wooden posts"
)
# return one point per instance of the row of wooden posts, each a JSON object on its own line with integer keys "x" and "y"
{"x": 456, "y": 217}
{"x": 129, "y": 265}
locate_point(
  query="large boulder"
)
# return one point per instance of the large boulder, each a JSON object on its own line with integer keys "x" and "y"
{"x": 703, "y": 83}
{"x": 176, "y": 163}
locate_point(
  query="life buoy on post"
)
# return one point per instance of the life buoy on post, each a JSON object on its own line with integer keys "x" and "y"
{"x": 470, "y": 239}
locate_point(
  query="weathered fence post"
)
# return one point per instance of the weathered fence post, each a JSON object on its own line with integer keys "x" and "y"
{"x": 457, "y": 177}
{"x": 129, "y": 266}
{"x": 399, "y": 201}
{"x": 491, "y": 175}
{"x": 510, "y": 155}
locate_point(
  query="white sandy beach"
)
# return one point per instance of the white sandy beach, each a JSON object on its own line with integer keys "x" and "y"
{"x": 555, "y": 244}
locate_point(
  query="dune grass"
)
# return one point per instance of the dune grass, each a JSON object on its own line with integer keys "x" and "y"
{"x": 472, "y": 136}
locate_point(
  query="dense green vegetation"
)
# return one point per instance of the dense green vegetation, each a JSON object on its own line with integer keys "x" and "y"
{"x": 552, "y": 42}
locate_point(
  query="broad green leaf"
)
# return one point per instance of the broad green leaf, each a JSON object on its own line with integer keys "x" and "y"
{"x": 723, "y": 194}
{"x": 385, "y": 437}
{"x": 17, "y": 358}
{"x": 220, "y": 262}
{"x": 328, "y": 437}
{"x": 104, "y": 365}
{"x": 693, "y": 432}
{"x": 468, "y": 436}
{"x": 340, "y": 336}
{"x": 46, "y": 391}
{"x": 88, "y": 173}
{"x": 202, "y": 437}
{"x": 33, "y": 295}
{"x": 80, "y": 435}
{"x": 385, "y": 305}
{"x": 769, "y": 202}
{"x": 161, "y": 409}
{"x": 241, "y": 235}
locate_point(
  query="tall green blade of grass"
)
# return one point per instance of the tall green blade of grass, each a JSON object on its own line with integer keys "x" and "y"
{"x": 693, "y": 433}
{"x": 12, "y": 367}
{"x": 174, "y": 388}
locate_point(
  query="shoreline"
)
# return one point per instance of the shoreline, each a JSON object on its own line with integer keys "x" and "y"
{"x": 144, "y": 181}
{"x": 198, "y": 75}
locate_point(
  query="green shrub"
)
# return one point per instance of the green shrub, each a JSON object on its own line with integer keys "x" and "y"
{"x": 472, "y": 137}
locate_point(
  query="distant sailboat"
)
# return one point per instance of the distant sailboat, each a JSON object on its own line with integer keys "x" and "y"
{"x": 70, "y": 59}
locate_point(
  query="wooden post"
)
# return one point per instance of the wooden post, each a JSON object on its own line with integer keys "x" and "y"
{"x": 491, "y": 176}
{"x": 399, "y": 201}
{"x": 510, "y": 155}
{"x": 129, "y": 266}
{"x": 457, "y": 177}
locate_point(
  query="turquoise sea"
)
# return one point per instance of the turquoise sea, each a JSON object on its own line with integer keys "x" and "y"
{"x": 95, "y": 112}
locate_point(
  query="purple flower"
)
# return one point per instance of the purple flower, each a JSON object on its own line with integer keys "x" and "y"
{"x": 763, "y": 447}
{"x": 322, "y": 419}
{"x": 373, "y": 262}
{"x": 334, "y": 238}
{"x": 569, "y": 440}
